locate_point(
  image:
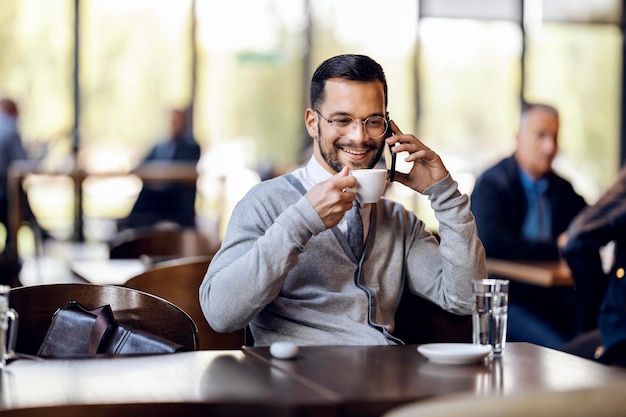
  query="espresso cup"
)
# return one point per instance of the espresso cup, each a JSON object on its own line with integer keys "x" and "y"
{"x": 371, "y": 184}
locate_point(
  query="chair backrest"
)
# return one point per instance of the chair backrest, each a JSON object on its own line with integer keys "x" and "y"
{"x": 161, "y": 243}
{"x": 178, "y": 281}
{"x": 36, "y": 305}
{"x": 420, "y": 321}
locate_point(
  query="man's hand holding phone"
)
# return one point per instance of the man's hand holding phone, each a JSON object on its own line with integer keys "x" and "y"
{"x": 394, "y": 162}
{"x": 421, "y": 167}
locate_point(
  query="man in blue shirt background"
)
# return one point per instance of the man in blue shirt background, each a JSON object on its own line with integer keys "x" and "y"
{"x": 522, "y": 209}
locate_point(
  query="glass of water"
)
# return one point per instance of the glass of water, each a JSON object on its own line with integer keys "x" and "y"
{"x": 489, "y": 318}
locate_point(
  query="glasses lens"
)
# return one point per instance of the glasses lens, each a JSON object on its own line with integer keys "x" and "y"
{"x": 375, "y": 126}
{"x": 344, "y": 125}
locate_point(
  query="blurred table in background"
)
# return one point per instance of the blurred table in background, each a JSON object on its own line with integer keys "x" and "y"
{"x": 154, "y": 172}
{"x": 107, "y": 271}
{"x": 541, "y": 273}
{"x": 168, "y": 171}
{"x": 54, "y": 265}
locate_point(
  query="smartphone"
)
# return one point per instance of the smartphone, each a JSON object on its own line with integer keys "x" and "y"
{"x": 391, "y": 159}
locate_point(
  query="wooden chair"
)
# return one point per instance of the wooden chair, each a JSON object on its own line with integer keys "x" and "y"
{"x": 161, "y": 243}
{"x": 178, "y": 281}
{"x": 36, "y": 305}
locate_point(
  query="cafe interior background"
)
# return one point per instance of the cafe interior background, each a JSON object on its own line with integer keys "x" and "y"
{"x": 94, "y": 79}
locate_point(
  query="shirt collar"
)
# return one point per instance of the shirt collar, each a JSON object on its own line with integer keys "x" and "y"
{"x": 316, "y": 171}
{"x": 532, "y": 185}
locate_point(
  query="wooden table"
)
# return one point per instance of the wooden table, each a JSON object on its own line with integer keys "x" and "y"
{"x": 367, "y": 381}
{"x": 220, "y": 377}
{"x": 322, "y": 380}
{"x": 541, "y": 273}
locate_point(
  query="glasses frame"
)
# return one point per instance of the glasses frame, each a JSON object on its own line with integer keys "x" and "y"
{"x": 354, "y": 124}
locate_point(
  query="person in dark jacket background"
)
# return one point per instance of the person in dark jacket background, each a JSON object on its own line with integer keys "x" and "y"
{"x": 593, "y": 229}
{"x": 522, "y": 209}
{"x": 169, "y": 202}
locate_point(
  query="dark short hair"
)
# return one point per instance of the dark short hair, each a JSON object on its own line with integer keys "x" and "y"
{"x": 9, "y": 107}
{"x": 349, "y": 67}
{"x": 528, "y": 106}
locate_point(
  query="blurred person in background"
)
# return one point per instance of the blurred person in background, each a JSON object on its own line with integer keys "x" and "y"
{"x": 522, "y": 209}
{"x": 591, "y": 230}
{"x": 173, "y": 202}
{"x": 11, "y": 150}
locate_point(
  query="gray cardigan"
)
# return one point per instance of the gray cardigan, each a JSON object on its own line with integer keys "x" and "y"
{"x": 280, "y": 271}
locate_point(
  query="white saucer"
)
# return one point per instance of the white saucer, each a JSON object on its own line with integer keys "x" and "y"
{"x": 454, "y": 353}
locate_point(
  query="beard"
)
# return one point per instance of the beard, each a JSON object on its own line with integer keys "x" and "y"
{"x": 331, "y": 154}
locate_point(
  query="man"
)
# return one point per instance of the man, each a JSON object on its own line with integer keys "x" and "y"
{"x": 522, "y": 207}
{"x": 595, "y": 227}
{"x": 11, "y": 150}
{"x": 170, "y": 202}
{"x": 285, "y": 267}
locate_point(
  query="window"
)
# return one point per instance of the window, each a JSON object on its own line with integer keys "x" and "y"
{"x": 456, "y": 72}
{"x": 577, "y": 68}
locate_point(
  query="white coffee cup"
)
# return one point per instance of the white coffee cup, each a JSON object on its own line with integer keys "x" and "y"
{"x": 371, "y": 184}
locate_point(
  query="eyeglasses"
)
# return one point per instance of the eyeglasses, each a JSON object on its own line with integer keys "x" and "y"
{"x": 375, "y": 126}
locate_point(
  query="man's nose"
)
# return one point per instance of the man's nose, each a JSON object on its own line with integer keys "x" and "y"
{"x": 551, "y": 145}
{"x": 359, "y": 131}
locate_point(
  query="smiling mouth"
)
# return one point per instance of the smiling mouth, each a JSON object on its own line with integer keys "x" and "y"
{"x": 354, "y": 151}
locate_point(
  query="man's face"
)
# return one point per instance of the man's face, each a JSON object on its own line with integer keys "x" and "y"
{"x": 537, "y": 142}
{"x": 359, "y": 100}
{"x": 177, "y": 122}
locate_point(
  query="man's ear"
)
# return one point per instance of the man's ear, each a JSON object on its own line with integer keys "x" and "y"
{"x": 310, "y": 120}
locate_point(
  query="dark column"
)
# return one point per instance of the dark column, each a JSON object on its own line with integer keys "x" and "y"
{"x": 622, "y": 142}
{"x": 78, "y": 184}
